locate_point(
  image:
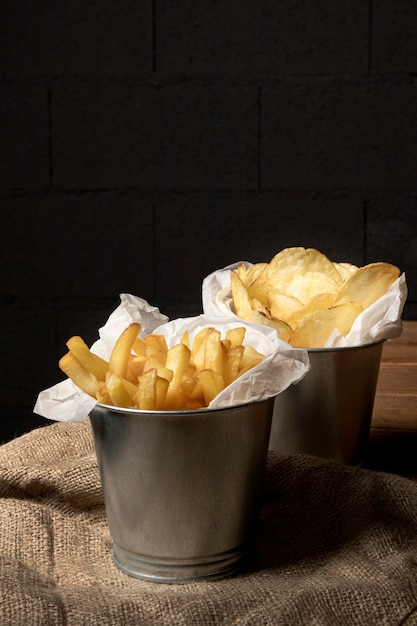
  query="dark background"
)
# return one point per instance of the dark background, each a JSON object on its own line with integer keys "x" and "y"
{"x": 147, "y": 143}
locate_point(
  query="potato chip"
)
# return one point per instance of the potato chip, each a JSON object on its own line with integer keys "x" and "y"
{"x": 295, "y": 262}
{"x": 241, "y": 272}
{"x": 318, "y": 303}
{"x": 283, "y": 329}
{"x": 315, "y": 329}
{"x": 304, "y": 287}
{"x": 283, "y": 306}
{"x": 345, "y": 269}
{"x": 367, "y": 284}
{"x": 259, "y": 291}
{"x": 241, "y": 298}
{"x": 253, "y": 273}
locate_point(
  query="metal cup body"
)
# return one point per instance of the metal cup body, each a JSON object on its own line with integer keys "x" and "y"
{"x": 182, "y": 489}
{"x": 329, "y": 412}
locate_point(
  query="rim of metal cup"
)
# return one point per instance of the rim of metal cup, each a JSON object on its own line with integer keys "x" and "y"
{"x": 359, "y": 346}
{"x": 231, "y": 407}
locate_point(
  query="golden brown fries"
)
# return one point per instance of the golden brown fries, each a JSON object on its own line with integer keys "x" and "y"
{"x": 305, "y": 296}
{"x": 144, "y": 374}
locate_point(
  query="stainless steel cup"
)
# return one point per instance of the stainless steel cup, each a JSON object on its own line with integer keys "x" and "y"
{"x": 182, "y": 489}
{"x": 328, "y": 413}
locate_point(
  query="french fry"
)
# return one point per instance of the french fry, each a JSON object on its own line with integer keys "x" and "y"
{"x": 146, "y": 395}
{"x": 212, "y": 384}
{"x": 161, "y": 388}
{"x": 153, "y": 361}
{"x": 236, "y": 335}
{"x": 119, "y": 357}
{"x": 135, "y": 367}
{"x": 250, "y": 358}
{"x": 91, "y": 362}
{"x": 156, "y": 347}
{"x": 231, "y": 364}
{"x": 213, "y": 354}
{"x": 103, "y": 396}
{"x": 139, "y": 347}
{"x": 199, "y": 348}
{"x": 164, "y": 372}
{"x": 186, "y": 339}
{"x": 121, "y": 392}
{"x": 84, "y": 379}
{"x": 178, "y": 358}
{"x": 157, "y": 342}
{"x": 192, "y": 388}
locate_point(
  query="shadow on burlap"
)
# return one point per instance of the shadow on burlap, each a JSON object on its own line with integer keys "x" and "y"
{"x": 336, "y": 546}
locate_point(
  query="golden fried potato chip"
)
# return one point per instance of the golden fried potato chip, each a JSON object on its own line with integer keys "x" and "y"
{"x": 240, "y": 296}
{"x": 367, "y": 284}
{"x": 295, "y": 262}
{"x": 241, "y": 272}
{"x": 283, "y": 329}
{"x": 315, "y": 329}
{"x": 318, "y": 303}
{"x": 283, "y": 306}
{"x": 306, "y": 286}
{"x": 345, "y": 269}
{"x": 259, "y": 289}
{"x": 253, "y": 273}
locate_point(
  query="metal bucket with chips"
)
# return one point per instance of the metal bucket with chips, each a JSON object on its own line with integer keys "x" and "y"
{"x": 328, "y": 413}
{"x": 341, "y": 314}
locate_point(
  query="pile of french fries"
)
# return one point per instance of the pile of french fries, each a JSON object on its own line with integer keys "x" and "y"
{"x": 143, "y": 373}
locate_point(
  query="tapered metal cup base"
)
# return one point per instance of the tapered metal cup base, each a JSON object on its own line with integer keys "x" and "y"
{"x": 180, "y": 571}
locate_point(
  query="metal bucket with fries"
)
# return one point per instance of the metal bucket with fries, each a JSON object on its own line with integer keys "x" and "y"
{"x": 182, "y": 488}
{"x": 181, "y": 419}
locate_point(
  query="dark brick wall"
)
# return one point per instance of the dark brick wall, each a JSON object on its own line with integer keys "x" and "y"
{"x": 145, "y": 144}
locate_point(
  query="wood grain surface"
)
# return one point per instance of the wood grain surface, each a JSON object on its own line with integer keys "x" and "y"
{"x": 393, "y": 437}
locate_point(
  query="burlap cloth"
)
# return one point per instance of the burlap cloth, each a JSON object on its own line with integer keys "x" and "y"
{"x": 336, "y": 545}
